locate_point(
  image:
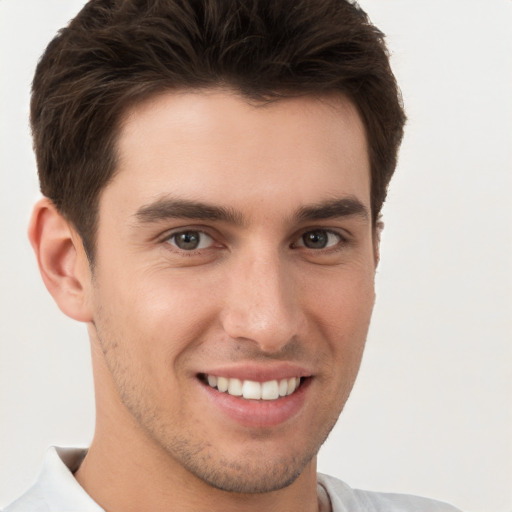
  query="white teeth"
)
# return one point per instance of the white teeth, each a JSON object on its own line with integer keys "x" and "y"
{"x": 283, "y": 387}
{"x": 222, "y": 384}
{"x": 270, "y": 390}
{"x": 235, "y": 387}
{"x": 292, "y": 385}
{"x": 252, "y": 390}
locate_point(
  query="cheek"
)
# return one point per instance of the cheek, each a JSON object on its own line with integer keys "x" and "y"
{"x": 341, "y": 311}
{"x": 344, "y": 300}
{"x": 154, "y": 316}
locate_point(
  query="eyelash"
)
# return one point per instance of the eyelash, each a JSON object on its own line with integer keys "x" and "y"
{"x": 298, "y": 243}
{"x": 170, "y": 238}
{"x": 342, "y": 240}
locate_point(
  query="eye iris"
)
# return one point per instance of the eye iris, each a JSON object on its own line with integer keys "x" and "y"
{"x": 189, "y": 240}
{"x": 315, "y": 239}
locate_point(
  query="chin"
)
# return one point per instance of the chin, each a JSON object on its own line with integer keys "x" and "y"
{"x": 252, "y": 478}
{"x": 257, "y": 468}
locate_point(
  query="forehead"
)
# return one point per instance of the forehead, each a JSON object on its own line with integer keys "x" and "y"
{"x": 215, "y": 146}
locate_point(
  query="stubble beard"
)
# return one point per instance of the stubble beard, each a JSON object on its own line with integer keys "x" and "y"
{"x": 250, "y": 473}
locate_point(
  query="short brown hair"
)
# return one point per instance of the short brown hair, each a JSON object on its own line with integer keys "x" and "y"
{"x": 115, "y": 53}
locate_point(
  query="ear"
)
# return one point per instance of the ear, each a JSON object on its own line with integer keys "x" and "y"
{"x": 62, "y": 260}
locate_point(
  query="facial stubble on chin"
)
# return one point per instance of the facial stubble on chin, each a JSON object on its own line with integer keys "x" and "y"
{"x": 251, "y": 473}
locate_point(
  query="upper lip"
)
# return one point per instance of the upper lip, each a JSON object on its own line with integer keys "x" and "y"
{"x": 259, "y": 372}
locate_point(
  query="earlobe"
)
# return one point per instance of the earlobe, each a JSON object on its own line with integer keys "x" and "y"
{"x": 61, "y": 259}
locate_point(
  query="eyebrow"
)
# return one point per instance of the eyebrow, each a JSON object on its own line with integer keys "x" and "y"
{"x": 174, "y": 208}
{"x": 335, "y": 208}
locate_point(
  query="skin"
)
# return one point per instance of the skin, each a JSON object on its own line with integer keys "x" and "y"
{"x": 253, "y": 297}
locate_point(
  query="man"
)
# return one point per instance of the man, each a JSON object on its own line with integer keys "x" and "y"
{"x": 213, "y": 174}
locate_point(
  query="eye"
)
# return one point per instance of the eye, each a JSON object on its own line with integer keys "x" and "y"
{"x": 190, "y": 240}
{"x": 319, "y": 239}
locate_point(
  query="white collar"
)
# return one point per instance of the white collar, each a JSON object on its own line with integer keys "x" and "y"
{"x": 56, "y": 489}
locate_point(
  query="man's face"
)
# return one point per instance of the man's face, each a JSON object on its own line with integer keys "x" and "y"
{"x": 235, "y": 250}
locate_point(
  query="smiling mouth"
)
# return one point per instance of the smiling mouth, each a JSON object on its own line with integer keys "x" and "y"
{"x": 253, "y": 390}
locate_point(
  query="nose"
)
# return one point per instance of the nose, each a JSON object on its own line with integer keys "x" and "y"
{"x": 261, "y": 304}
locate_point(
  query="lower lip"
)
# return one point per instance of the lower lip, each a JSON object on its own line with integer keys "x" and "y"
{"x": 259, "y": 413}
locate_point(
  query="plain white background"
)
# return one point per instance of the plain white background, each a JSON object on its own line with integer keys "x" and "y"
{"x": 431, "y": 412}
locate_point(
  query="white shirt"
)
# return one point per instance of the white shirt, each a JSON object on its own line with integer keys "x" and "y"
{"x": 56, "y": 490}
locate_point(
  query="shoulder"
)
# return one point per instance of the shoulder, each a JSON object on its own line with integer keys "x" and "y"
{"x": 345, "y": 499}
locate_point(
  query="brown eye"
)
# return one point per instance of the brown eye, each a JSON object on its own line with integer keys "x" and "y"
{"x": 190, "y": 240}
{"x": 319, "y": 239}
